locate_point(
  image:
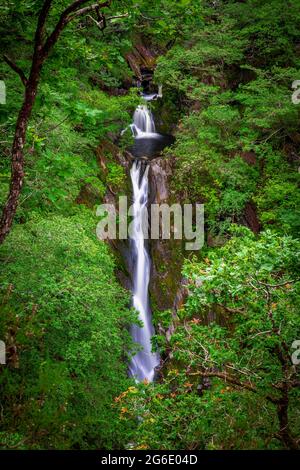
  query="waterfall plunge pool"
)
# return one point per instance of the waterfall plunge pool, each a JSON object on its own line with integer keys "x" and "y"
{"x": 147, "y": 141}
{"x": 150, "y": 146}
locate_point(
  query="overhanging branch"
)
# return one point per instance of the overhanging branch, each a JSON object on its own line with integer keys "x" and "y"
{"x": 87, "y": 9}
{"x": 109, "y": 18}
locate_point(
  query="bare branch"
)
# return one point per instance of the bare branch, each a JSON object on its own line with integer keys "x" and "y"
{"x": 101, "y": 23}
{"x": 226, "y": 377}
{"x": 125, "y": 15}
{"x": 281, "y": 284}
{"x": 85, "y": 10}
{"x": 16, "y": 69}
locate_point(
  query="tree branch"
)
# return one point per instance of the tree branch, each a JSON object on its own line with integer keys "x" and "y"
{"x": 281, "y": 284}
{"x": 102, "y": 23}
{"x": 41, "y": 50}
{"x": 93, "y": 7}
{"x": 16, "y": 69}
{"x": 68, "y": 15}
{"x": 125, "y": 15}
{"x": 227, "y": 378}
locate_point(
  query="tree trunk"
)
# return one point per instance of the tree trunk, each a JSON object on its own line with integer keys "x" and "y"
{"x": 17, "y": 156}
{"x": 41, "y": 52}
{"x": 284, "y": 431}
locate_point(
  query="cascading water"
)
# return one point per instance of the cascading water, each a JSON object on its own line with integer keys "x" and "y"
{"x": 143, "y": 123}
{"x": 143, "y": 364}
{"x": 147, "y": 143}
{"x": 153, "y": 96}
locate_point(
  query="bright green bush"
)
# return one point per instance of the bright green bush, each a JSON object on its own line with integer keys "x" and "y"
{"x": 67, "y": 317}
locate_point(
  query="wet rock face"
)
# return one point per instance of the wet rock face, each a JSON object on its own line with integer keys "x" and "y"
{"x": 159, "y": 175}
{"x": 166, "y": 255}
{"x": 140, "y": 59}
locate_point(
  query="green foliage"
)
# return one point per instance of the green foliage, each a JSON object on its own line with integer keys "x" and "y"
{"x": 226, "y": 68}
{"x": 224, "y": 183}
{"x": 162, "y": 20}
{"x": 233, "y": 79}
{"x": 116, "y": 175}
{"x": 71, "y": 114}
{"x": 196, "y": 67}
{"x": 255, "y": 284}
{"x": 62, "y": 311}
{"x": 68, "y": 321}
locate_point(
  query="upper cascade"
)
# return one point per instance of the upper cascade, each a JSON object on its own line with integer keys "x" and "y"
{"x": 143, "y": 122}
{"x": 147, "y": 141}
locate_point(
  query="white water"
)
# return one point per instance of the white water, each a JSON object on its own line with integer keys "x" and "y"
{"x": 143, "y": 123}
{"x": 143, "y": 364}
{"x": 149, "y": 96}
{"x": 153, "y": 96}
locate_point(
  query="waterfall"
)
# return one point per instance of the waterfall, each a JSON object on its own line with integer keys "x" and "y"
{"x": 143, "y": 364}
{"x": 143, "y": 122}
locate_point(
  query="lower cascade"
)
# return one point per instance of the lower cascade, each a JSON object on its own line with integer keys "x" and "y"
{"x": 143, "y": 364}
